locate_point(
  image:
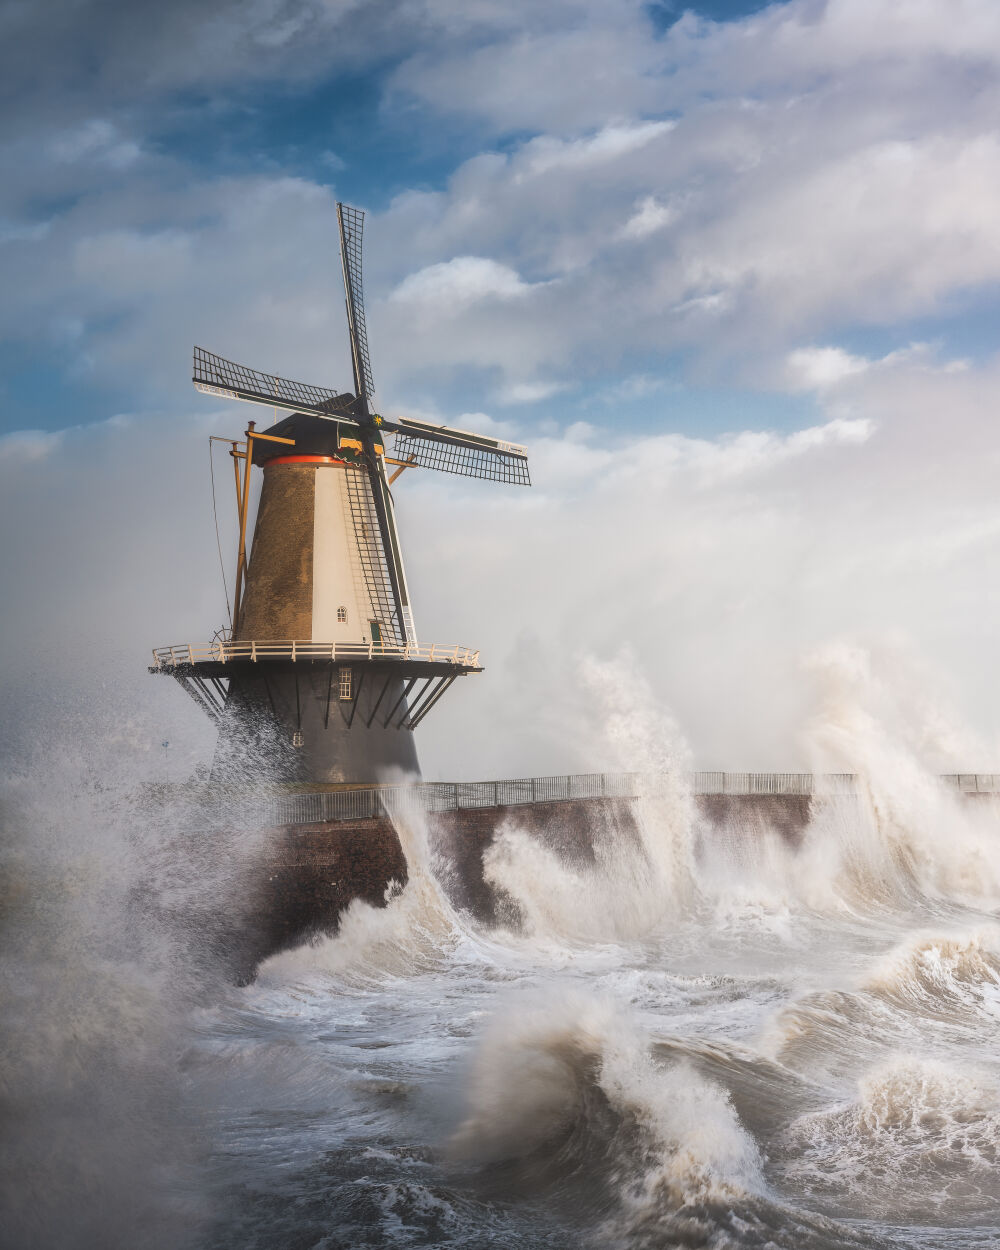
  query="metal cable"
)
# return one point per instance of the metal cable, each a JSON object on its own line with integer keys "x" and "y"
{"x": 218, "y": 540}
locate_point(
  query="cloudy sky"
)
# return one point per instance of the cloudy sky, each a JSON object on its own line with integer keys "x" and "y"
{"x": 731, "y": 271}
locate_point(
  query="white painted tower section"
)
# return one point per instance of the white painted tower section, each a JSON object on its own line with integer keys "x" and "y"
{"x": 339, "y": 585}
{"x": 338, "y": 581}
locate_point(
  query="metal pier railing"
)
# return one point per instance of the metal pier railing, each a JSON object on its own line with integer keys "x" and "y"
{"x": 440, "y": 796}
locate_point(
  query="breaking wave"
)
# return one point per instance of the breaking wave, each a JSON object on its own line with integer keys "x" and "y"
{"x": 953, "y": 978}
{"x": 564, "y": 1090}
{"x": 921, "y": 1140}
{"x": 660, "y": 1033}
{"x": 639, "y": 874}
{"x": 418, "y": 929}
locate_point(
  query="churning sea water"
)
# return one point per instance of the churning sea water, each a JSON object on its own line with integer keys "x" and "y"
{"x": 689, "y": 1039}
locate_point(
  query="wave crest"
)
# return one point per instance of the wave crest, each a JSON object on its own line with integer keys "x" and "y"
{"x": 920, "y": 1137}
{"x": 946, "y": 977}
{"x": 564, "y": 1092}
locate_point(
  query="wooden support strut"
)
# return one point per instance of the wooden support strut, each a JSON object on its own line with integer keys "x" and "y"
{"x": 392, "y": 712}
{"x": 403, "y": 466}
{"x": 192, "y": 687}
{"x": 329, "y": 692}
{"x": 205, "y": 690}
{"x": 385, "y": 687}
{"x": 247, "y": 458}
{"x": 443, "y": 686}
{"x": 412, "y": 712}
{"x": 270, "y": 696}
{"x": 357, "y": 696}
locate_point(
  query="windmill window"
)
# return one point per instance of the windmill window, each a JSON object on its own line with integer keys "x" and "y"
{"x": 344, "y": 684}
{"x": 342, "y": 615}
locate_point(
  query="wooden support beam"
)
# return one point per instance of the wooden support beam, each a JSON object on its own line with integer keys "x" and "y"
{"x": 392, "y": 712}
{"x": 385, "y": 687}
{"x": 443, "y": 686}
{"x": 329, "y": 692}
{"x": 411, "y": 712}
{"x": 192, "y": 688}
{"x": 357, "y": 695}
{"x": 270, "y": 696}
{"x": 242, "y": 549}
{"x": 403, "y": 466}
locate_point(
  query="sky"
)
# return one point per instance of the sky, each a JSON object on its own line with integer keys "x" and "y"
{"x": 730, "y": 271}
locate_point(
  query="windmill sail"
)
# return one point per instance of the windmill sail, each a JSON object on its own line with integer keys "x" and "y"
{"x": 419, "y": 443}
{"x": 351, "y": 222}
{"x": 372, "y": 555}
{"x": 454, "y": 451}
{"x": 218, "y": 376}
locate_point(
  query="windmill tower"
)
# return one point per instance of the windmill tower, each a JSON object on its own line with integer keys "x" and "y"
{"x": 321, "y": 678}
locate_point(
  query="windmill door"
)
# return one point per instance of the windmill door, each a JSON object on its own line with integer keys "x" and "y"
{"x": 376, "y": 635}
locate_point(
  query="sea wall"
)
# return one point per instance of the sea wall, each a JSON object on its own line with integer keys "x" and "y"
{"x": 308, "y": 874}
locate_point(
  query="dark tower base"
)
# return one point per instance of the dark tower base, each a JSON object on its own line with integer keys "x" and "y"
{"x": 290, "y": 723}
{"x": 289, "y": 714}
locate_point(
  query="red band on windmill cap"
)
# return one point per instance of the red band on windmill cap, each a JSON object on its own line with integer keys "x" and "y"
{"x": 302, "y": 460}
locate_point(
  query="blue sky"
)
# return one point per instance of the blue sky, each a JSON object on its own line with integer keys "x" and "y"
{"x": 141, "y": 135}
{"x": 730, "y": 271}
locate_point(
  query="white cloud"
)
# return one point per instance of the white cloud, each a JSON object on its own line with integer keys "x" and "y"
{"x": 840, "y": 430}
{"x": 457, "y": 283}
{"x": 834, "y": 164}
{"x": 22, "y": 446}
{"x": 710, "y": 304}
{"x": 542, "y": 68}
{"x": 828, "y": 368}
{"x": 707, "y": 462}
{"x": 96, "y": 140}
{"x": 636, "y": 386}
{"x": 530, "y": 392}
{"x": 817, "y": 368}
{"x": 649, "y": 216}
{"x": 545, "y": 154}
{"x": 798, "y": 192}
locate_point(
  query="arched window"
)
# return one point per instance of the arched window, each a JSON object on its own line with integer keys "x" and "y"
{"x": 341, "y": 615}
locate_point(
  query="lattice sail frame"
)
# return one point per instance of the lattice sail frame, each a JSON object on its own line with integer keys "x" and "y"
{"x": 425, "y": 446}
{"x": 372, "y": 554}
{"x": 352, "y": 224}
{"x": 218, "y": 376}
{"x": 467, "y": 460}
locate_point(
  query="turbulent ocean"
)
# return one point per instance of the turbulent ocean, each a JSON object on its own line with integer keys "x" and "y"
{"x": 692, "y": 1037}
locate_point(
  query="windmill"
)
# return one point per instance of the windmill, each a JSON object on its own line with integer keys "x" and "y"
{"x": 321, "y": 678}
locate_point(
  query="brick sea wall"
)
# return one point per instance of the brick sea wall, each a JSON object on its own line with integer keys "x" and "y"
{"x": 308, "y": 874}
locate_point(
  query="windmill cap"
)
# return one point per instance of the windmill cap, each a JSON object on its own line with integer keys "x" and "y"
{"x": 313, "y": 436}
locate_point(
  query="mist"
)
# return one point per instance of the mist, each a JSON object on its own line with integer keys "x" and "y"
{"x": 715, "y": 568}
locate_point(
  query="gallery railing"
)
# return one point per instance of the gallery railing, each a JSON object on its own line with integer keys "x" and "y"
{"x": 186, "y": 653}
